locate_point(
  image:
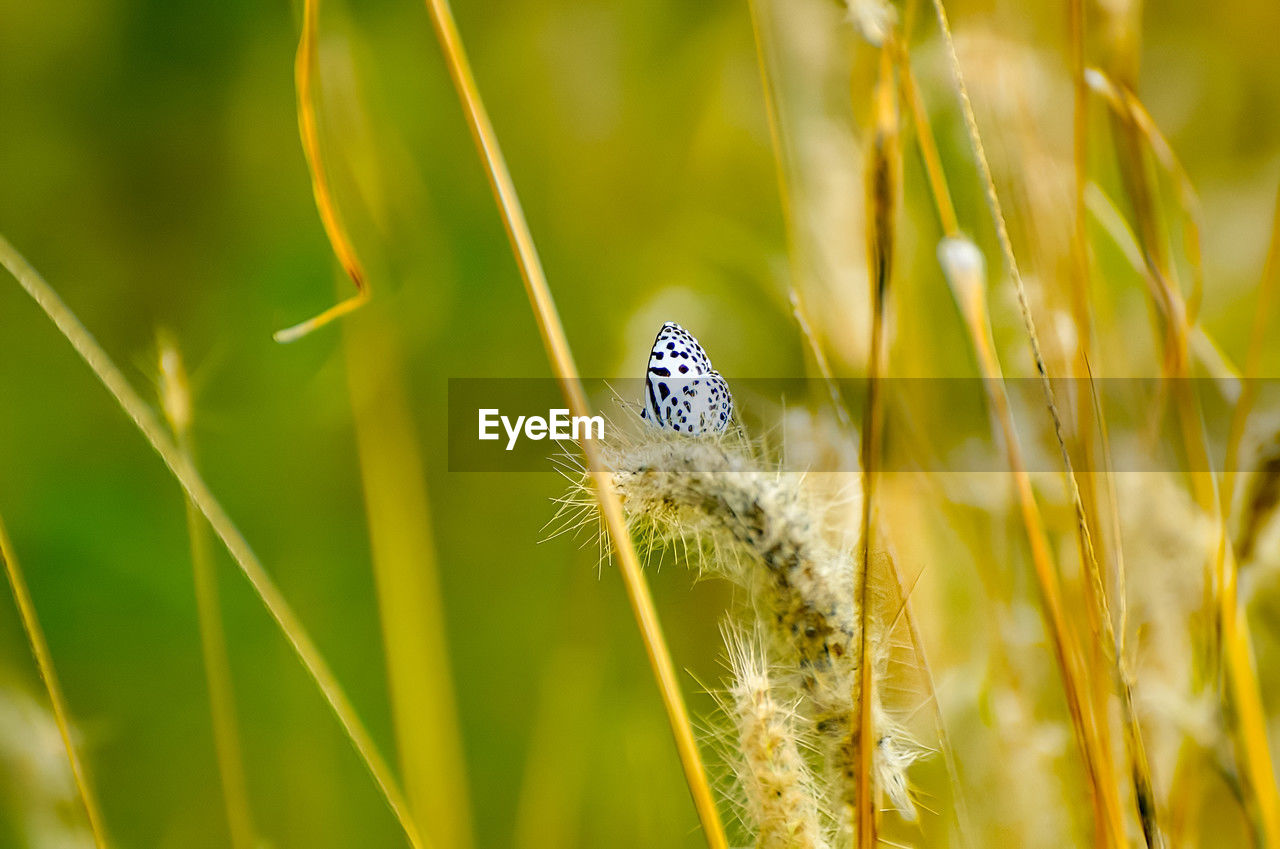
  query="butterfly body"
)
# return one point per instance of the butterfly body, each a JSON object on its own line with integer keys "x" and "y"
{"x": 682, "y": 392}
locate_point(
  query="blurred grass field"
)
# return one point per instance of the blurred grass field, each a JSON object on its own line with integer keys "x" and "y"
{"x": 150, "y": 168}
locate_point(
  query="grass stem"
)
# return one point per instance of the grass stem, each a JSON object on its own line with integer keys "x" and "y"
{"x": 406, "y": 575}
{"x": 175, "y": 400}
{"x": 1107, "y": 804}
{"x": 44, "y": 663}
{"x": 882, "y": 176}
{"x": 562, "y": 364}
{"x": 198, "y": 491}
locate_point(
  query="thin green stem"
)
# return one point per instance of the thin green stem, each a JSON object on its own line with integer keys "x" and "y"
{"x": 198, "y": 491}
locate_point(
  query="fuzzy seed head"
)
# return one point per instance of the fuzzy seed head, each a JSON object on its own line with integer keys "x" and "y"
{"x": 782, "y": 801}
{"x": 765, "y": 531}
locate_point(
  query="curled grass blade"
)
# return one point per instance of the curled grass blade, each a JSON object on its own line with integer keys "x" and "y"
{"x": 335, "y": 230}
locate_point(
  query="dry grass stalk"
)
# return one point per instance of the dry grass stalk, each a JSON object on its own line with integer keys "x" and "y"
{"x": 1108, "y": 647}
{"x": 562, "y": 364}
{"x": 1137, "y": 121}
{"x": 1096, "y": 559}
{"x": 882, "y": 183}
{"x": 941, "y": 192}
{"x": 964, "y": 268}
{"x": 782, "y": 160}
{"x": 1264, "y": 491}
{"x": 1109, "y": 817}
{"x": 1231, "y": 642}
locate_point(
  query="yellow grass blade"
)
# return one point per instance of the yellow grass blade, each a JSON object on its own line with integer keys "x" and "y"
{"x": 557, "y": 346}
{"x": 405, "y": 572}
{"x": 928, "y": 147}
{"x": 44, "y": 662}
{"x": 1138, "y": 121}
{"x": 304, "y": 72}
{"x": 198, "y": 491}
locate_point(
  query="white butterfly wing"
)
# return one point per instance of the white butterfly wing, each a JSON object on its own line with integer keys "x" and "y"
{"x": 682, "y": 391}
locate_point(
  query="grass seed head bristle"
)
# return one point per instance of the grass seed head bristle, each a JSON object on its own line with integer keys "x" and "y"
{"x": 782, "y": 800}
{"x": 767, "y": 531}
{"x": 965, "y": 268}
{"x": 175, "y": 389}
{"x": 874, "y": 19}
{"x": 1167, "y": 540}
{"x": 40, "y": 788}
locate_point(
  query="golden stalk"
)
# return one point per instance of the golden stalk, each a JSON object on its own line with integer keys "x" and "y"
{"x": 398, "y": 514}
{"x": 1108, "y": 647}
{"x": 198, "y": 491}
{"x": 1097, "y": 761}
{"x": 44, "y": 663}
{"x": 928, "y": 147}
{"x": 304, "y": 70}
{"x": 1079, "y": 169}
{"x": 1247, "y": 723}
{"x": 176, "y": 402}
{"x": 1095, "y": 560}
{"x": 967, "y": 283}
{"x": 881, "y": 187}
{"x": 1098, "y": 609}
{"x": 562, "y": 363}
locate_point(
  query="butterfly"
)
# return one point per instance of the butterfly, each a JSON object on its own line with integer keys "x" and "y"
{"x": 682, "y": 391}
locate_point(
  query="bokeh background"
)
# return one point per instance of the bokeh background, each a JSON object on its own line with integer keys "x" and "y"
{"x": 150, "y": 168}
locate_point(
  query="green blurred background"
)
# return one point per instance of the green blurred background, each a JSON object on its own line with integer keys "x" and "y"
{"x": 150, "y": 168}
